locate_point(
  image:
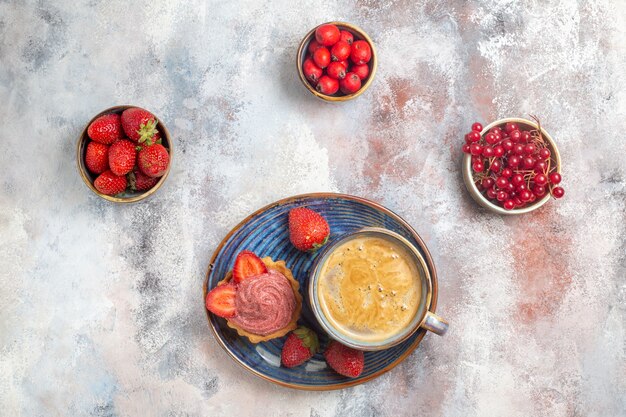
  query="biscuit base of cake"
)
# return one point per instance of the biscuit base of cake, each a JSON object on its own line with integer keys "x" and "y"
{"x": 281, "y": 267}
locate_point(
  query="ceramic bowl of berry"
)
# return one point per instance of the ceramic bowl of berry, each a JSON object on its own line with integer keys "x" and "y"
{"x": 336, "y": 61}
{"x": 124, "y": 154}
{"x": 511, "y": 166}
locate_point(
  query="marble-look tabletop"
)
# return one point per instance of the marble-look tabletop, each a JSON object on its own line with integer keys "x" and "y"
{"x": 101, "y": 310}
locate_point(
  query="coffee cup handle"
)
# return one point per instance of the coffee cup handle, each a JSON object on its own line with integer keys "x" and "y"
{"x": 435, "y": 324}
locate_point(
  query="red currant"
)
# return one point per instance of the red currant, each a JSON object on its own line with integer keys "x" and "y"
{"x": 487, "y": 183}
{"x": 496, "y": 131}
{"x": 507, "y": 144}
{"x": 510, "y": 126}
{"x": 517, "y": 179}
{"x": 539, "y": 190}
{"x": 466, "y": 148}
{"x": 555, "y": 178}
{"x": 544, "y": 153}
{"x": 515, "y": 135}
{"x": 476, "y": 149}
{"x": 558, "y": 192}
{"x": 526, "y": 136}
{"x": 530, "y": 149}
{"x": 477, "y": 127}
{"x": 474, "y": 136}
{"x": 491, "y": 139}
{"x": 509, "y": 205}
{"x": 478, "y": 166}
{"x": 540, "y": 167}
{"x": 510, "y": 188}
{"x": 502, "y": 195}
{"x": 525, "y": 195}
{"x": 498, "y": 151}
{"x": 502, "y": 182}
{"x": 507, "y": 172}
{"x": 492, "y": 193}
{"x": 488, "y": 151}
{"x": 541, "y": 179}
{"x": 514, "y": 161}
{"x": 518, "y": 149}
{"x": 495, "y": 166}
{"x": 528, "y": 162}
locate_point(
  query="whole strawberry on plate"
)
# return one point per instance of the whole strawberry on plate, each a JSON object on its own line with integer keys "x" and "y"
{"x": 344, "y": 360}
{"x": 300, "y": 346}
{"x": 308, "y": 230}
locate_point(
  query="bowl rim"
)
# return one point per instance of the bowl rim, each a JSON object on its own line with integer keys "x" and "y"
{"x": 82, "y": 169}
{"x": 468, "y": 175}
{"x": 316, "y": 305}
{"x": 373, "y": 61}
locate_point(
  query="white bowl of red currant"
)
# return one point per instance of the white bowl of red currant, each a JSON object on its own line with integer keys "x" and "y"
{"x": 511, "y": 166}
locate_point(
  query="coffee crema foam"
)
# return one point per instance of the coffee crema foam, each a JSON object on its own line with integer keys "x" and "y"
{"x": 369, "y": 289}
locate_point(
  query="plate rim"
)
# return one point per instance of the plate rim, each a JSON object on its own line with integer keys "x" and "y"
{"x": 322, "y": 195}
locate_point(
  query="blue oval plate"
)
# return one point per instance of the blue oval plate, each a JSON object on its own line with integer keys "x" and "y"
{"x": 266, "y": 233}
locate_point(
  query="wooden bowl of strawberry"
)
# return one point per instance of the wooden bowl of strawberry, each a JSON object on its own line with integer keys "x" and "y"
{"x": 336, "y": 61}
{"x": 124, "y": 154}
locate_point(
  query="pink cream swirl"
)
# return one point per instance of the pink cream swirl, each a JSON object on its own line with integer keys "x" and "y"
{"x": 264, "y": 303}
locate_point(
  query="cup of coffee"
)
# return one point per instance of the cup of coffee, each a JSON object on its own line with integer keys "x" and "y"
{"x": 371, "y": 290}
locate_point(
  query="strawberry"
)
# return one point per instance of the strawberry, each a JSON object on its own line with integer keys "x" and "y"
{"x": 300, "y": 346}
{"x": 221, "y": 300}
{"x": 97, "y": 157}
{"x": 247, "y": 264}
{"x": 308, "y": 230}
{"x": 344, "y": 360}
{"x": 140, "y": 125}
{"x": 154, "y": 160}
{"x": 139, "y": 181}
{"x": 122, "y": 157}
{"x": 110, "y": 184}
{"x": 106, "y": 129}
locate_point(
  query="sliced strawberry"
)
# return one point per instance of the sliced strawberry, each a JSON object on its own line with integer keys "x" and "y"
{"x": 221, "y": 300}
{"x": 247, "y": 265}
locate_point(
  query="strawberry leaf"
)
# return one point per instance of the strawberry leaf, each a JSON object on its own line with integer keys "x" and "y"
{"x": 309, "y": 338}
{"x": 316, "y": 246}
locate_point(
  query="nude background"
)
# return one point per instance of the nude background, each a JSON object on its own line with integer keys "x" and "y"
{"x": 100, "y": 304}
